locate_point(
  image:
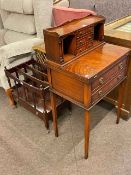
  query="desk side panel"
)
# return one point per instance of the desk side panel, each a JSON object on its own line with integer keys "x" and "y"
{"x": 120, "y": 38}
{"x": 113, "y": 96}
{"x": 68, "y": 86}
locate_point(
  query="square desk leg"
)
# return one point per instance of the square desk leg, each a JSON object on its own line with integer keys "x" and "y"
{"x": 87, "y": 130}
{"x": 54, "y": 112}
{"x": 121, "y": 93}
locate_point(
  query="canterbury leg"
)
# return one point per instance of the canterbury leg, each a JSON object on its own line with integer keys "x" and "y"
{"x": 10, "y": 96}
{"x": 54, "y": 113}
{"x": 86, "y": 133}
{"x": 120, "y": 100}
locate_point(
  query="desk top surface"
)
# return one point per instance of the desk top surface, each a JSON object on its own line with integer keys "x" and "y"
{"x": 96, "y": 61}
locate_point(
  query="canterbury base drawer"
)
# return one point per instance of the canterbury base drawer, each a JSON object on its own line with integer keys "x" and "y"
{"x": 100, "y": 81}
{"x": 107, "y": 87}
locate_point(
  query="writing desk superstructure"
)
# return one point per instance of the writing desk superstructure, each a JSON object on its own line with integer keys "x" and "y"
{"x": 86, "y": 76}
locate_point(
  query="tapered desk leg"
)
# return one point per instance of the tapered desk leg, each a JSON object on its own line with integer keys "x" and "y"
{"x": 120, "y": 99}
{"x": 87, "y": 133}
{"x": 54, "y": 113}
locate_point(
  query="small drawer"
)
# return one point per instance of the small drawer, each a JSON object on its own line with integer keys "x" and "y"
{"x": 81, "y": 42}
{"x": 90, "y": 36}
{"x": 89, "y": 43}
{"x": 100, "y": 81}
{"x": 87, "y": 31}
{"x": 81, "y": 49}
{"x": 81, "y": 33}
{"x": 90, "y": 29}
{"x": 107, "y": 88}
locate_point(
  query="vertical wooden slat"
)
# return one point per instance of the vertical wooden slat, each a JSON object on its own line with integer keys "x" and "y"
{"x": 17, "y": 91}
{"x": 44, "y": 107}
{"x": 17, "y": 75}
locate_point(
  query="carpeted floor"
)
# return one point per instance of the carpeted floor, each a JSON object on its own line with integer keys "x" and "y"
{"x": 27, "y": 149}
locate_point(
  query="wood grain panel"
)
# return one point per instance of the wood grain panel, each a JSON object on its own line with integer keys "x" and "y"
{"x": 122, "y": 38}
{"x": 68, "y": 86}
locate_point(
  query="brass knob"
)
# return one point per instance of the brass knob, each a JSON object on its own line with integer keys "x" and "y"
{"x": 119, "y": 77}
{"x": 81, "y": 42}
{"x": 121, "y": 66}
{"x": 100, "y": 93}
{"x": 61, "y": 60}
{"x": 101, "y": 80}
{"x": 80, "y": 33}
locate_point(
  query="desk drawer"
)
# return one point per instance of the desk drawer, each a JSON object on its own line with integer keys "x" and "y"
{"x": 81, "y": 49}
{"x": 102, "y": 80}
{"x": 107, "y": 87}
{"x": 88, "y": 41}
{"x": 85, "y": 32}
{"x": 81, "y": 42}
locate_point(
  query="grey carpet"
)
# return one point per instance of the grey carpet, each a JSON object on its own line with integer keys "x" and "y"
{"x": 27, "y": 149}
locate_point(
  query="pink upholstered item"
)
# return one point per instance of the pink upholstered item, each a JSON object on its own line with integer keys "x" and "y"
{"x": 63, "y": 14}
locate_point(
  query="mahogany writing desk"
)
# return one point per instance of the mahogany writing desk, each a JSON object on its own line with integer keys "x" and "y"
{"x": 84, "y": 76}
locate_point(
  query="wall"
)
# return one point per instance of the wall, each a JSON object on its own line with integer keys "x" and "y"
{"x": 111, "y": 9}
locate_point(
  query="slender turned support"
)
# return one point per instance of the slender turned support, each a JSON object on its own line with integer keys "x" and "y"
{"x": 54, "y": 113}
{"x": 120, "y": 100}
{"x": 87, "y": 128}
{"x": 10, "y": 96}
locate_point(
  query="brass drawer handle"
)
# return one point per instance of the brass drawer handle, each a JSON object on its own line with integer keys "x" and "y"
{"x": 100, "y": 93}
{"x": 101, "y": 80}
{"x": 121, "y": 66}
{"x": 89, "y": 37}
{"x": 119, "y": 77}
{"x": 81, "y": 42}
{"x": 80, "y": 33}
